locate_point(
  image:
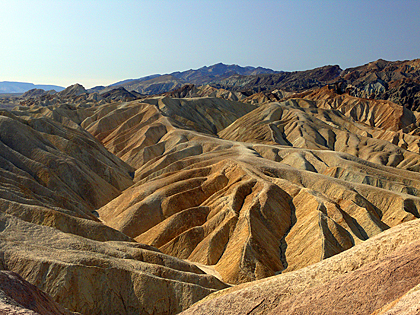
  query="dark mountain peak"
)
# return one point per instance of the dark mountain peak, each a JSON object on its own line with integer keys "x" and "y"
{"x": 157, "y": 84}
{"x": 378, "y": 64}
{"x": 221, "y": 65}
{"x": 216, "y": 65}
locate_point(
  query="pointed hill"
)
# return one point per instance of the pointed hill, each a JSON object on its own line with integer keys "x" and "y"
{"x": 72, "y": 90}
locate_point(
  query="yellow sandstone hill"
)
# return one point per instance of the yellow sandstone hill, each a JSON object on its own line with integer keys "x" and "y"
{"x": 53, "y": 177}
{"x": 268, "y": 195}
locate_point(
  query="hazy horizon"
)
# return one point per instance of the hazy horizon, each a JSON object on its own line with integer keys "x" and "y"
{"x": 100, "y": 43}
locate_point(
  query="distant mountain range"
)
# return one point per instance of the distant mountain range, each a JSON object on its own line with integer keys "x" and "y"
{"x": 22, "y": 87}
{"x": 157, "y": 83}
{"x": 233, "y": 78}
{"x": 396, "y": 81}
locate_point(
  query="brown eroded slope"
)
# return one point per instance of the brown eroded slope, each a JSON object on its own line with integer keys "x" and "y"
{"x": 56, "y": 175}
{"x": 375, "y": 113}
{"x": 129, "y": 130}
{"x": 375, "y": 132}
{"x": 254, "y": 209}
{"x": 92, "y": 277}
{"x": 53, "y": 176}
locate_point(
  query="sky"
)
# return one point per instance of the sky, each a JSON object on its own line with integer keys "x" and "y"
{"x": 100, "y": 42}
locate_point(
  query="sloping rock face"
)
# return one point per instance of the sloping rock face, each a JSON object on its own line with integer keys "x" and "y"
{"x": 190, "y": 90}
{"x": 119, "y": 94}
{"x": 397, "y": 81}
{"x": 284, "y": 186}
{"x": 36, "y": 93}
{"x": 409, "y": 303}
{"x": 45, "y": 165}
{"x": 376, "y": 277}
{"x": 18, "y": 296}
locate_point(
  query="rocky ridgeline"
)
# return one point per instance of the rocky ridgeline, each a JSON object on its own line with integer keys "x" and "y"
{"x": 77, "y": 95}
{"x": 396, "y": 81}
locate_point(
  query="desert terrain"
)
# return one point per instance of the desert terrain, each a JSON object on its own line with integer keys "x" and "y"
{"x": 222, "y": 190}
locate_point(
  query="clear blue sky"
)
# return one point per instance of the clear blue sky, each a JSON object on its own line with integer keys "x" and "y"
{"x": 103, "y": 41}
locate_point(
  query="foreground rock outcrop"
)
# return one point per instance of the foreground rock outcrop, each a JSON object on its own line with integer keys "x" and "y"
{"x": 18, "y": 296}
{"x": 376, "y": 277}
{"x": 78, "y": 273}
